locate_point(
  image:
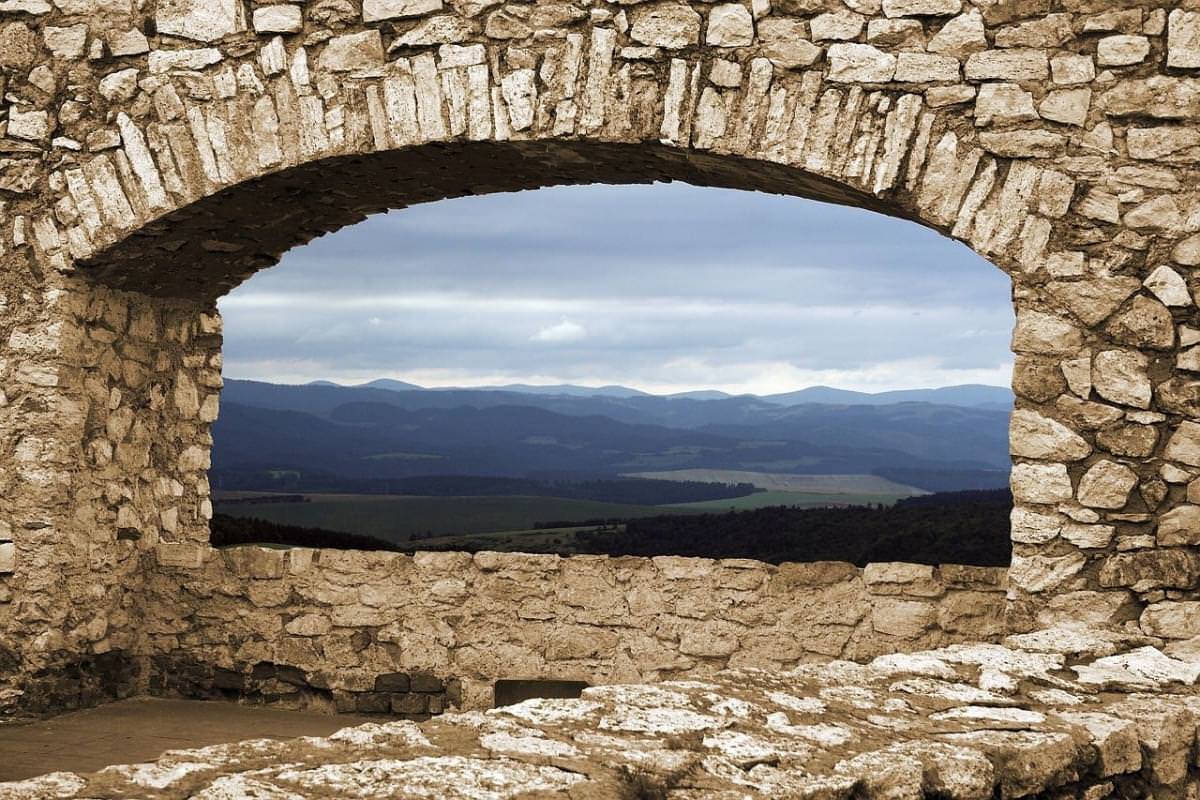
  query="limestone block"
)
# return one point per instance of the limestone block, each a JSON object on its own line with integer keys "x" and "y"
{"x": 31, "y": 125}
{"x": 1024, "y": 144}
{"x": 1042, "y": 573}
{"x": 201, "y": 20}
{"x": 128, "y": 43}
{"x": 181, "y": 554}
{"x": 669, "y": 25}
{"x": 282, "y": 18}
{"x": 1040, "y": 483}
{"x": 900, "y": 33}
{"x": 961, "y": 36}
{"x": 1070, "y": 69}
{"x": 1032, "y": 435}
{"x": 379, "y": 10}
{"x": 1160, "y": 96}
{"x": 1184, "y": 444}
{"x": 784, "y": 42}
{"x": 908, "y": 619}
{"x": 1116, "y": 741}
{"x": 1146, "y": 570}
{"x": 1120, "y": 376}
{"x": 1145, "y": 323}
{"x": 119, "y": 85}
{"x": 1045, "y": 334}
{"x": 440, "y": 29}
{"x": 841, "y": 25}
{"x": 1003, "y": 103}
{"x": 926, "y": 68}
{"x": 1034, "y": 527}
{"x": 8, "y": 558}
{"x": 1168, "y": 286}
{"x": 1183, "y": 39}
{"x": 186, "y": 60}
{"x": 1136, "y": 441}
{"x": 730, "y": 25}
{"x": 1051, "y": 30}
{"x": 68, "y": 42}
{"x": 914, "y": 580}
{"x": 1106, "y": 484}
{"x": 353, "y": 51}
{"x": 1087, "y": 537}
{"x": 1008, "y": 65}
{"x": 707, "y": 640}
{"x": 1068, "y": 106}
{"x": 850, "y": 63}
{"x": 921, "y": 8}
{"x": 1172, "y": 619}
{"x": 1122, "y": 51}
{"x": 1179, "y": 526}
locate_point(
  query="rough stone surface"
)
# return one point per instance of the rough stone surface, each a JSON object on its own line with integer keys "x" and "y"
{"x": 1082, "y": 714}
{"x": 189, "y": 144}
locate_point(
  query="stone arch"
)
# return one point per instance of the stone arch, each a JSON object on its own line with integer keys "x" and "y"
{"x": 158, "y": 155}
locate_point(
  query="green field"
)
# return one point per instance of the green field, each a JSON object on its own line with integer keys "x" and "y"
{"x": 787, "y": 482}
{"x": 777, "y": 498}
{"x": 396, "y": 517}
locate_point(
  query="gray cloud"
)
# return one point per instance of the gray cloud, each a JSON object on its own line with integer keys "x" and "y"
{"x": 665, "y": 287}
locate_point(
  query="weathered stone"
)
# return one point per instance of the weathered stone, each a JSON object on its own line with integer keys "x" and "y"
{"x": 1070, "y": 69}
{"x": 201, "y": 20}
{"x": 921, "y": 8}
{"x": 849, "y": 63}
{"x": 1120, "y": 376}
{"x": 1152, "y": 569}
{"x": 1179, "y": 526}
{"x": 669, "y": 25}
{"x": 1041, "y": 333}
{"x": 1037, "y": 574}
{"x": 926, "y": 68}
{"x": 282, "y": 18}
{"x": 353, "y": 51}
{"x": 1122, "y": 51}
{"x": 1032, "y": 435}
{"x": 837, "y": 26}
{"x": 1041, "y": 483}
{"x": 1003, "y": 103}
{"x": 379, "y": 10}
{"x": 783, "y": 41}
{"x": 1136, "y": 441}
{"x": 729, "y": 25}
{"x": 1145, "y": 323}
{"x": 1068, "y": 106}
{"x": 1160, "y": 96}
{"x": 1173, "y": 620}
{"x": 1184, "y": 444}
{"x": 1023, "y": 144}
{"x": 1168, "y": 286}
{"x": 1008, "y": 65}
{"x": 1106, "y": 484}
{"x": 1183, "y": 39}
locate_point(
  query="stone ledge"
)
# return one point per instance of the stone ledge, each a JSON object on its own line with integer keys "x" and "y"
{"x": 1060, "y": 712}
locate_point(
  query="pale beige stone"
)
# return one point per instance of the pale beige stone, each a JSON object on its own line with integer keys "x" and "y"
{"x": 729, "y": 25}
{"x": 669, "y": 25}
{"x": 352, "y": 51}
{"x": 921, "y": 8}
{"x": 1120, "y": 376}
{"x": 926, "y": 68}
{"x": 379, "y": 10}
{"x": 1032, "y": 435}
{"x": 1068, "y": 106}
{"x": 1183, "y": 39}
{"x": 784, "y": 42}
{"x": 200, "y": 20}
{"x": 1168, "y": 286}
{"x": 1071, "y": 69}
{"x": 850, "y": 63}
{"x": 1184, "y": 444}
{"x": 1011, "y": 65}
{"x": 841, "y": 25}
{"x": 1122, "y": 51}
{"x": 1040, "y": 483}
{"x": 1003, "y": 103}
{"x": 960, "y": 36}
{"x": 1106, "y": 484}
{"x": 281, "y": 18}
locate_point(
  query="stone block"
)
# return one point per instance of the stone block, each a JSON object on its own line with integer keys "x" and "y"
{"x": 200, "y": 20}
{"x": 8, "y": 558}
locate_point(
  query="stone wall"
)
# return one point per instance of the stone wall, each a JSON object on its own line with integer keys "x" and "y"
{"x": 361, "y": 631}
{"x": 155, "y": 154}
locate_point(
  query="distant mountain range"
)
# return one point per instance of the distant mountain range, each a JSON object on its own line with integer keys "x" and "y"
{"x": 972, "y": 395}
{"x": 952, "y": 438}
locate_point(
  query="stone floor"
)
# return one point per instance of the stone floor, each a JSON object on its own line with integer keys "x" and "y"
{"x": 142, "y": 730}
{"x": 1064, "y": 714}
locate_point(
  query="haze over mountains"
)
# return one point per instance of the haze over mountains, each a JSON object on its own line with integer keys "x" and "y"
{"x": 323, "y": 435}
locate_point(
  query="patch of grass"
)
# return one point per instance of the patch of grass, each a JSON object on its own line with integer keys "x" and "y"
{"x": 396, "y": 518}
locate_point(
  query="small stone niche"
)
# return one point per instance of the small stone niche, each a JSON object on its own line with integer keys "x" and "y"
{"x": 509, "y": 692}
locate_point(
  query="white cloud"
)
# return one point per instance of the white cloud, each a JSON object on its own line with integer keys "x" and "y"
{"x": 564, "y": 331}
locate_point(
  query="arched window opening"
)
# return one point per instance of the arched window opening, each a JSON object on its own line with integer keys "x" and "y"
{"x": 622, "y": 370}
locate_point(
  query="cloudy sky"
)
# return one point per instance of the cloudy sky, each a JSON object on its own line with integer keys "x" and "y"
{"x": 663, "y": 288}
